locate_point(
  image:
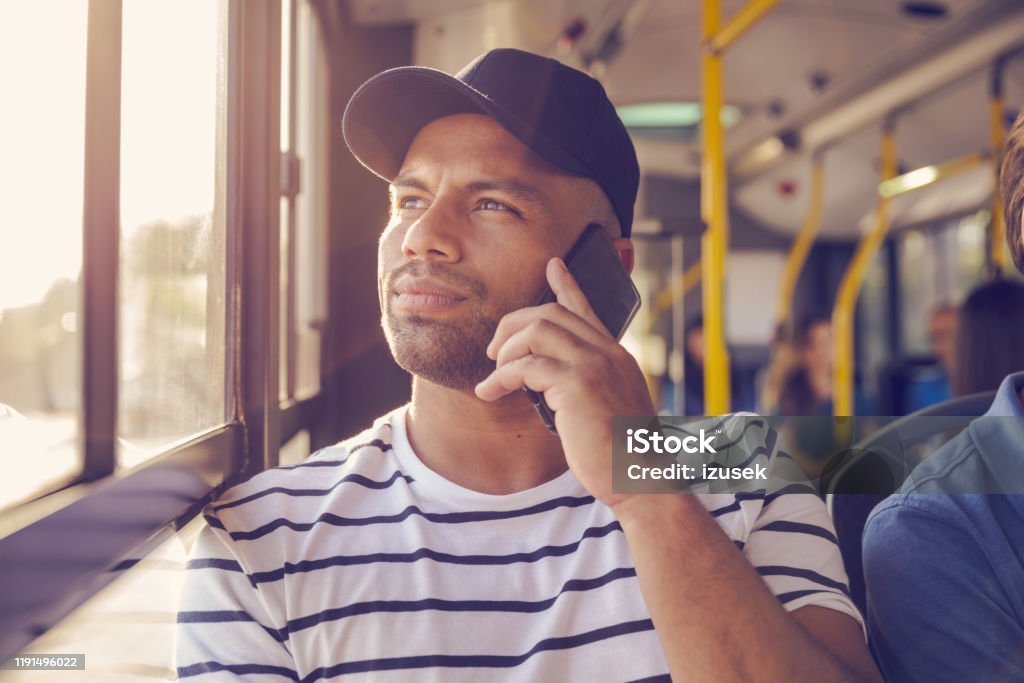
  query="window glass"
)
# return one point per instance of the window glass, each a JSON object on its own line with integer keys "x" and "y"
{"x": 940, "y": 265}
{"x": 873, "y": 331}
{"x": 918, "y": 290}
{"x": 967, "y": 250}
{"x": 172, "y": 288}
{"x": 286, "y": 202}
{"x": 42, "y": 144}
{"x": 282, "y": 379}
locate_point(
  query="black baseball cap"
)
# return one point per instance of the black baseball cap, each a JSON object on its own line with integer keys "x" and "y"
{"x": 560, "y": 113}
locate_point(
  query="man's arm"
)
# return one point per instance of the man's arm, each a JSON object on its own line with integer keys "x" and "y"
{"x": 224, "y": 629}
{"x": 714, "y": 615}
{"x": 937, "y": 611}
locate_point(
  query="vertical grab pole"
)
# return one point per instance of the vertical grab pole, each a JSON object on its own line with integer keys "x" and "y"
{"x": 802, "y": 245}
{"x": 714, "y": 208}
{"x": 846, "y": 300}
{"x": 996, "y": 227}
{"x": 714, "y": 213}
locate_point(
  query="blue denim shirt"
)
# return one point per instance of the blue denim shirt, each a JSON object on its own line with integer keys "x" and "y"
{"x": 944, "y": 563}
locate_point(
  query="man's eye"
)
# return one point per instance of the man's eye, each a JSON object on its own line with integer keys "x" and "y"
{"x": 493, "y": 205}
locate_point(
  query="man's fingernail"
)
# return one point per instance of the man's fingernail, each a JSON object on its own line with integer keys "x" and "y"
{"x": 562, "y": 266}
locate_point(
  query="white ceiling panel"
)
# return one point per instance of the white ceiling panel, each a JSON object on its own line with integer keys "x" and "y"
{"x": 799, "y": 63}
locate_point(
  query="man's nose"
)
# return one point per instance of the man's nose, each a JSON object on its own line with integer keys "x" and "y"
{"x": 435, "y": 234}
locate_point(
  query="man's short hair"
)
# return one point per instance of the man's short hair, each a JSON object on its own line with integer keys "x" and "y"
{"x": 1011, "y": 185}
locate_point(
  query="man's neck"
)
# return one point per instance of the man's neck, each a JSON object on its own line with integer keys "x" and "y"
{"x": 498, "y": 448}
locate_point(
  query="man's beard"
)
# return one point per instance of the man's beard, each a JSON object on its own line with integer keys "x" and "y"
{"x": 449, "y": 352}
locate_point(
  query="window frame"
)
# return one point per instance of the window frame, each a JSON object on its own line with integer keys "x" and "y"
{"x": 944, "y": 278}
{"x": 35, "y": 534}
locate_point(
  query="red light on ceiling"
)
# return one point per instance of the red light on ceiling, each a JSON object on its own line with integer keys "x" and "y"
{"x": 571, "y": 35}
{"x": 787, "y": 188}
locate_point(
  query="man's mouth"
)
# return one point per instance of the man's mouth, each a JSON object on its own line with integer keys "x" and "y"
{"x": 426, "y": 295}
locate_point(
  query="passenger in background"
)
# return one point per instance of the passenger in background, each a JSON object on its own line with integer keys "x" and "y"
{"x": 945, "y": 570}
{"x": 990, "y": 337}
{"x": 807, "y": 387}
{"x": 693, "y": 374}
{"x": 770, "y": 379}
{"x": 806, "y": 391}
{"x": 933, "y": 385}
{"x": 693, "y": 367}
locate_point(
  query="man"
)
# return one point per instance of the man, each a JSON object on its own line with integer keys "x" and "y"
{"x": 458, "y": 539}
{"x": 933, "y": 386}
{"x": 943, "y": 563}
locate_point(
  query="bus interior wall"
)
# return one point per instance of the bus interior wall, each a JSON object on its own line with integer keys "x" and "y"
{"x": 360, "y": 378}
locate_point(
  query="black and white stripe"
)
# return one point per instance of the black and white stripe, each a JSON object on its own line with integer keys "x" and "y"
{"x": 361, "y": 564}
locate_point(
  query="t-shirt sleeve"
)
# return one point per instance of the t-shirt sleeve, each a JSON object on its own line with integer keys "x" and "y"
{"x": 793, "y": 547}
{"x": 225, "y": 631}
{"x": 936, "y": 609}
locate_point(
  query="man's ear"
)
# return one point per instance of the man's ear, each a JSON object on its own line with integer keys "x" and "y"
{"x": 624, "y": 247}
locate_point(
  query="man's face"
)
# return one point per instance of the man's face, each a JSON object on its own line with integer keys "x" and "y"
{"x": 475, "y": 216}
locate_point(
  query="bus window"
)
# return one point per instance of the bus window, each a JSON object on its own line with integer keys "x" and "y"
{"x": 172, "y": 287}
{"x": 41, "y": 179}
{"x": 302, "y": 204}
{"x": 312, "y": 125}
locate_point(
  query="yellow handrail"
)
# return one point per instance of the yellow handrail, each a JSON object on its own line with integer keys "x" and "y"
{"x": 679, "y": 287}
{"x": 714, "y": 211}
{"x": 738, "y": 24}
{"x": 713, "y": 206}
{"x": 846, "y": 300}
{"x": 926, "y": 175}
{"x": 802, "y": 245}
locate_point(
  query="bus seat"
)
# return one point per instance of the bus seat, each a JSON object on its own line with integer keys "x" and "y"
{"x": 880, "y": 464}
{"x": 894, "y": 380}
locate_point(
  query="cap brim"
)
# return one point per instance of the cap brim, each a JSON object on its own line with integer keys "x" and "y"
{"x": 385, "y": 114}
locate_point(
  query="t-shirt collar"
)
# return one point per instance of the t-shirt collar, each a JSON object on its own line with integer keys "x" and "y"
{"x": 431, "y": 483}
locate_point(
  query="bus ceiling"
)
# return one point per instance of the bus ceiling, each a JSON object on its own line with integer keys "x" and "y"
{"x": 826, "y": 76}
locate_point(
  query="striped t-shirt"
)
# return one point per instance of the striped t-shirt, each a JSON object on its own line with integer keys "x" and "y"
{"x": 362, "y": 564}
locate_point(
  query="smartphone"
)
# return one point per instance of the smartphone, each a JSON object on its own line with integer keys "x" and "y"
{"x": 603, "y": 279}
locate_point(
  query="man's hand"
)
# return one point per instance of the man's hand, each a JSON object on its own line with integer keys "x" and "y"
{"x": 732, "y": 628}
{"x": 563, "y": 350}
